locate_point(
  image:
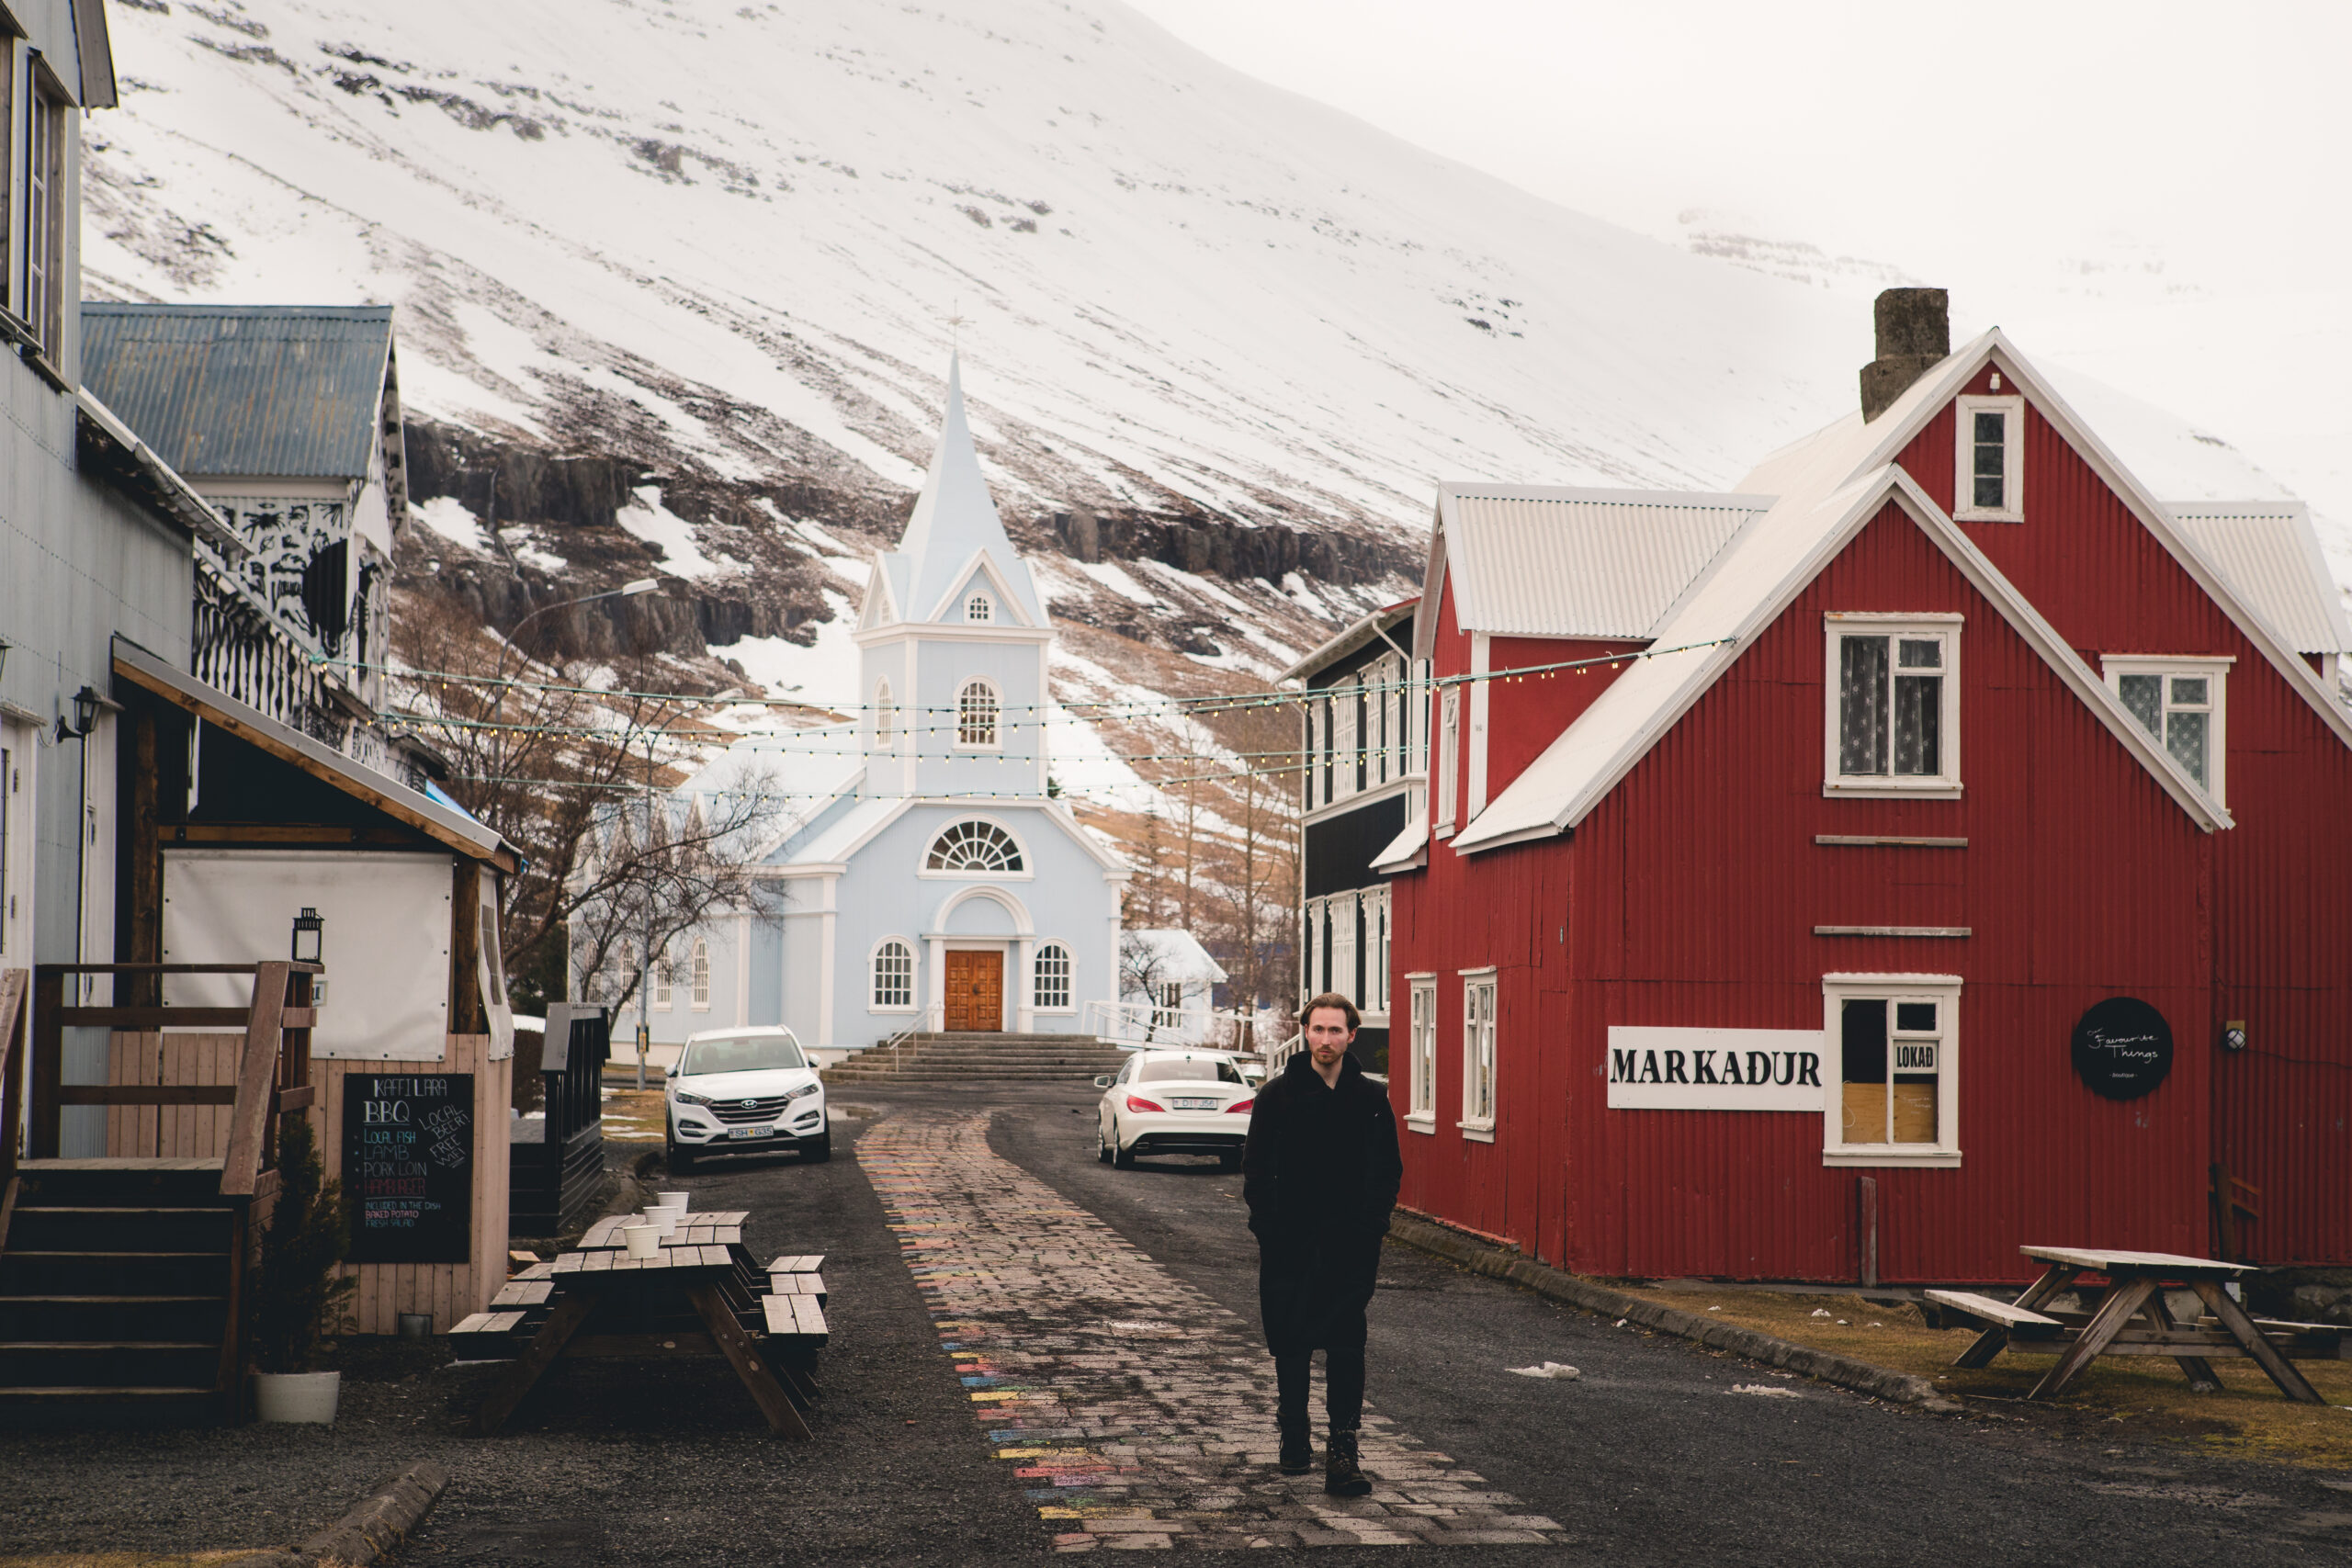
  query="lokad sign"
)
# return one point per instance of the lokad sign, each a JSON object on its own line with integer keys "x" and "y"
{"x": 408, "y": 1144}
{"x": 1715, "y": 1069}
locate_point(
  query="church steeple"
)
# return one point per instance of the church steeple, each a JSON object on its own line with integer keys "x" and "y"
{"x": 954, "y": 530}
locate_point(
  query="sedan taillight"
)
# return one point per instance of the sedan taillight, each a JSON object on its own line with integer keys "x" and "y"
{"x": 1240, "y": 1105}
{"x": 1137, "y": 1102}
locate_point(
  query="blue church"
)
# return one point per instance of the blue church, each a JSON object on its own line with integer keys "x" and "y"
{"x": 938, "y": 886}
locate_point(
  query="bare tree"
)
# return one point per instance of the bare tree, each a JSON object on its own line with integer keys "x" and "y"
{"x": 1143, "y": 971}
{"x": 574, "y": 779}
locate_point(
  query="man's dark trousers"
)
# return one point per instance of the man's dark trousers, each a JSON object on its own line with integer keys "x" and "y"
{"x": 1320, "y": 1176}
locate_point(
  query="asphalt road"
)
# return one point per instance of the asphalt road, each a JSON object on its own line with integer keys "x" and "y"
{"x": 1648, "y": 1458}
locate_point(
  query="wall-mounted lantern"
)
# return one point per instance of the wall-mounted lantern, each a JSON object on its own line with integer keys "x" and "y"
{"x": 2234, "y": 1035}
{"x": 309, "y": 935}
{"x": 86, "y": 703}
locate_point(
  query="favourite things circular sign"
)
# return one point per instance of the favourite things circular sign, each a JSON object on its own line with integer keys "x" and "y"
{"x": 2122, "y": 1048}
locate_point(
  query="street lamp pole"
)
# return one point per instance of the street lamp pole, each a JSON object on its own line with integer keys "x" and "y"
{"x": 641, "y": 586}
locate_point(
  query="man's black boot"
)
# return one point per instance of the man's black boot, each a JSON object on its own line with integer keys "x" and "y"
{"x": 1291, "y": 1377}
{"x": 1343, "y": 1476}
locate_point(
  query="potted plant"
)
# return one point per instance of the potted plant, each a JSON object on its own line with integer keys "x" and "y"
{"x": 295, "y": 1293}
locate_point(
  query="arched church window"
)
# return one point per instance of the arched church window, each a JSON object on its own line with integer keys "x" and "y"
{"x": 1052, "y": 990}
{"x": 978, "y": 608}
{"x": 974, "y": 846}
{"x": 886, "y": 717}
{"x": 894, "y": 975}
{"x": 699, "y": 973}
{"x": 976, "y": 715}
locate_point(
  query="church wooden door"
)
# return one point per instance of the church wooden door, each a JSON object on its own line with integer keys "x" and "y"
{"x": 975, "y": 992}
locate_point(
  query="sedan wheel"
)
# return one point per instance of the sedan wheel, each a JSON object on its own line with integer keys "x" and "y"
{"x": 1125, "y": 1159}
{"x": 1101, "y": 1147}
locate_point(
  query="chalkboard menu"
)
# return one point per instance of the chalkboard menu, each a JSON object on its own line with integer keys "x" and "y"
{"x": 2122, "y": 1048}
{"x": 408, "y": 1166}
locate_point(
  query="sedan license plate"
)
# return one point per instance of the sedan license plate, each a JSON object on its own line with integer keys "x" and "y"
{"x": 747, "y": 1131}
{"x": 1175, "y": 1104}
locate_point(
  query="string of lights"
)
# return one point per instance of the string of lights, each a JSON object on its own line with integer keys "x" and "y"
{"x": 1099, "y": 708}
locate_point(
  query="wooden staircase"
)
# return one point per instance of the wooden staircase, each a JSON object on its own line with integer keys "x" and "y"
{"x": 117, "y": 1286}
{"x": 121, "y": 1277}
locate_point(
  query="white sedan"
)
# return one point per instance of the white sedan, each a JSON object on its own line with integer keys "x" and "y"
{"x": 1174, "y": 1102}
{"x": 745, "y": 1091}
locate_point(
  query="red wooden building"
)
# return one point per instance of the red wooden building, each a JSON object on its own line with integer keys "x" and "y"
{"x": 1946, "y": 817}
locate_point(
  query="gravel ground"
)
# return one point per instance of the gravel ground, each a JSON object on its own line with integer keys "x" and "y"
{"x": 1650, "y": 1458}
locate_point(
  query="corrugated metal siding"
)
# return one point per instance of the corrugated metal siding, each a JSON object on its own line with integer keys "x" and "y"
{"x": 288, "y": 391}
{"x": 2282, "y": 877}
{"x": 1579, "y": 563}
{"x": 2272, "y": 559}
{"x": 1526, "y": 713}
{"x": 1689, "y": 898}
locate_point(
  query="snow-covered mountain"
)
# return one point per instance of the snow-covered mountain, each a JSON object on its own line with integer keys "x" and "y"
{"x": 730, "y": 245}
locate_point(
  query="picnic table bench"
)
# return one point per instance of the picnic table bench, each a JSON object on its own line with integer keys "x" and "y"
{"x": 2129, "y": 1317}
{"x": 700, "y": 1295}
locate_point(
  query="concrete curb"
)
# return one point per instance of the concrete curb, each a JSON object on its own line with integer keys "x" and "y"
{"x": 1502, "y": 1263}
{"x": 377, "y": 1524}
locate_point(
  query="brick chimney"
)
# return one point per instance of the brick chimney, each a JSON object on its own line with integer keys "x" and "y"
{"x": 1914, "y": 336}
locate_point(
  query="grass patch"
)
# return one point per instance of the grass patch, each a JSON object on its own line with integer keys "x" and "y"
{"x": 2122, "y": 1397}
{"x": 134, "y": 1559}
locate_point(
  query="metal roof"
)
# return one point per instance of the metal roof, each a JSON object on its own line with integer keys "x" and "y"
{"x": 1536, "y": 561}
{"x": 1355, "y": 635}
{"x": 281, "y": 390}
{"x": 2271, "y": 557}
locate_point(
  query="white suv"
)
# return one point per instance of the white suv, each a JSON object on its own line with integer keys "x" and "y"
{"x": 744, "y": 1091}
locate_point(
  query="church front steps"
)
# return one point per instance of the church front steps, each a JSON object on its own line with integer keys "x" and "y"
{"x": 967, "y": 1056}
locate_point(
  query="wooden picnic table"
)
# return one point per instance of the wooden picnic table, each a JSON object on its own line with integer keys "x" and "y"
{"x": 692, "y": 1298}
{"x": 723, "y": 1228}
{"x": 2129, "y": 1317}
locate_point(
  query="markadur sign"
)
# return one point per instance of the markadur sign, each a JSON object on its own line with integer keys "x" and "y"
{"x": 1715, "y": 1070}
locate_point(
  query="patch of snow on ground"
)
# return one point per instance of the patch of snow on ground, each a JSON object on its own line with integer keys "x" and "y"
{"x": 519, "y": 546}
{"x": 1111, "y": 575}
{"x": 447, "y": 516}
{"x": 826, "y": 675}
{"x": 646, "y": 518}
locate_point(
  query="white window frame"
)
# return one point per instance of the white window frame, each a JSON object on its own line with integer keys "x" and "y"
{"x": 1943, "y": 989}
{"x": 1347, "y": 747}
{"x": 980, "y": 609}
{"x": 1946, "y": 628}
{"x": 1346, "y": 949}
{"x": 1420, "y": 1048}
{"x": 874, "y": 1002}
{"x": 995, "y": 741}
{"x": 665, "y": 994}
{"x": 1964, "y": 489}
{"x": 1313, "y": 753}
{"x": 698, "y": 976}
{"x": 1478, "y": 1054}
{"x": 1373, "y": 1003}
{"x": 1023, "y": 872}
{"x": 1047, "y": 952}
{"x": 886, "y": 717}
{"x": 1448, "y": 757}
{"x": 2113, "y": 666}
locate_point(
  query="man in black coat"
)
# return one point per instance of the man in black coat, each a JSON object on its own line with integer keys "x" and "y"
{"x": 1320, "y": 1175}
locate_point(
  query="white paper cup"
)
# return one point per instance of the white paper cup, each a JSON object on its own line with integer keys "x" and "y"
{"x": 664, "y": 1221}
{"x": 644, "y": 1241}
{"x": 671, "y": 1201}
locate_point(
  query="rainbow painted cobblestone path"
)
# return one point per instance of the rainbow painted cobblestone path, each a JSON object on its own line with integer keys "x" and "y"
{"x": 1134, "y": 1411}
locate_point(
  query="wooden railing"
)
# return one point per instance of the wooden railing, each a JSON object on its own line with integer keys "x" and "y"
{"x": 273, "y": 1067}
{"x": 14, "y": 984}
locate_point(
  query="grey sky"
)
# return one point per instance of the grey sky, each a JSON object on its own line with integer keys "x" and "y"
{"x": 2155, "y": 192}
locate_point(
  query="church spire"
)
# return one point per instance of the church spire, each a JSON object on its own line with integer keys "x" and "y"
{"x": 955, "y": 521}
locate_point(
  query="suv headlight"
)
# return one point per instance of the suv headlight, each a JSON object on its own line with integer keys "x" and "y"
{"x": 803, "y": 1091}
{"x": 685, "y": 1099}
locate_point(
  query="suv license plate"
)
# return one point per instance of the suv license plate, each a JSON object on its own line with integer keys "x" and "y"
{"x": 1192, "y": 1104}
{"x": 747, "y": 1131}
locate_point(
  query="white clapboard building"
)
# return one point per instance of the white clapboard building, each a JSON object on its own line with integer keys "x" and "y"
{"x": 934, "y": 884}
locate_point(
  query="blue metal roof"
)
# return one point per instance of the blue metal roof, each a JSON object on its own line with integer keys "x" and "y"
{"x": 281, "y": 390}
